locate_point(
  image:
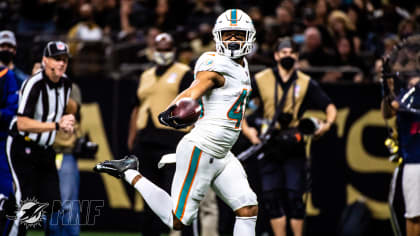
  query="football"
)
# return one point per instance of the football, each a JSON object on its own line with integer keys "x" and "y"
{"x": 187, "y": 111}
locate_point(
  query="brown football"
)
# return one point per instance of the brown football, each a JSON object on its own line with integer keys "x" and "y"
{"x": 187, "y": 110}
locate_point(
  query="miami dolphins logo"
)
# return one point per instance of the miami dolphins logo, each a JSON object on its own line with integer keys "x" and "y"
{"x": 30, "y": 213}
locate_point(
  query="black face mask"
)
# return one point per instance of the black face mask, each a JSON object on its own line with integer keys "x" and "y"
{"x": 6, "y": 57}
{"x": 287, "y": 62}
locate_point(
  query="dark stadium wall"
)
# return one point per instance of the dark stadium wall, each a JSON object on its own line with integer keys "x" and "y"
{"x": 348, "y": 164}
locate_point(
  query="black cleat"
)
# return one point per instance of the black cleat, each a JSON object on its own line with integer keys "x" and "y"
{"x": 116, "y": 168}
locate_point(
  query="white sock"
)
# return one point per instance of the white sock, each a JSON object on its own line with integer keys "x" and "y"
{"x": 157, "y": 199}
{"x": 245, "y": 226}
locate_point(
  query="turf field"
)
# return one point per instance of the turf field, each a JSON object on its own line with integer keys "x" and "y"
{"x": 41, "y": 233}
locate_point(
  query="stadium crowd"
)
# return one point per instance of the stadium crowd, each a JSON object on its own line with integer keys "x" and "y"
{"x": 338, "y": 40}
{"x": 349, "y": 35}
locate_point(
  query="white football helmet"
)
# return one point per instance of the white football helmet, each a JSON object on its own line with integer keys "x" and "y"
{"x": 234, "y": 19}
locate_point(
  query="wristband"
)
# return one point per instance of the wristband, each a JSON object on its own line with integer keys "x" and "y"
{"x": 57, "y": 126}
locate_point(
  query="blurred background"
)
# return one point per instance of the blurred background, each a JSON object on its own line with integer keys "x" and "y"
{"x": 341, "y": 45}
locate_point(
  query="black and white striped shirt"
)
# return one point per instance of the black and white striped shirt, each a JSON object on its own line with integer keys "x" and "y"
{"x": 41, "y": 99}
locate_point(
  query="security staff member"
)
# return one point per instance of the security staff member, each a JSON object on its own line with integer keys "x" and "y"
{"x": 158, "y": 86}
{"x": 283, "y": 167}
{"x": 41, "y": 112}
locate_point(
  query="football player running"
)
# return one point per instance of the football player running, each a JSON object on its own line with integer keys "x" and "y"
{"x": 203, "y": 158}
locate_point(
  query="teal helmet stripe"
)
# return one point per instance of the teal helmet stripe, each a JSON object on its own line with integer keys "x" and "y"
{"x": 233, "y": 18}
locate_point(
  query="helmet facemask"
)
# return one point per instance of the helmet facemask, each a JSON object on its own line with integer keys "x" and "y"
{"x": 234, "y": 49}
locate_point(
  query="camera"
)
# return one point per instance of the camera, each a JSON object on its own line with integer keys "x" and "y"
{"x": 308, "y": 126}
{"x": 85, "y": 148}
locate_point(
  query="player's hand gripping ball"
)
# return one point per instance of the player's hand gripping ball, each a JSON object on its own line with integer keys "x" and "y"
{"x": 182, "y": 114}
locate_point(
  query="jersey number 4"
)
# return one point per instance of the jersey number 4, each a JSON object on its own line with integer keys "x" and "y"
{"x": 237, "y": 111}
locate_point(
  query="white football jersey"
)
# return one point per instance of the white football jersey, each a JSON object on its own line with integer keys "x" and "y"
{"x": 222, "y": 108}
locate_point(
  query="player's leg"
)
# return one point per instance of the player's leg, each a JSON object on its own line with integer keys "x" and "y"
{"x": 183, "y": 206}
{"x": 194, "y": 172}
{"x": 232, "y": 186}
{"x": 413, "y": 226}
{"x": 411, "y": 190}
{"x": 158, "y": 200}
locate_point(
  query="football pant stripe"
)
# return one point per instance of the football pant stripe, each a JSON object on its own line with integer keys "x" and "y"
{"x": 188, "y": 182}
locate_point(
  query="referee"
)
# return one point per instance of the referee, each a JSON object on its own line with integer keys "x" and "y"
{"x": 42, "y": 104}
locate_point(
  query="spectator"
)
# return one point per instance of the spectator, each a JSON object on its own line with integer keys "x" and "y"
{"x": 37, "y": 16}
{"x": 8, "y": 53}
{"x": 67, "y": 15}
{"x": 359, "y": 17}
{"x": 185, "y": 54}
{"x": 262, "y": 50}
{"x": 313, "y": 50}
{"x": 204, "y": 42}
{"x": 321, "y": 12}
{"x": 284, "y": 25}
{"x": 348, "y": 58}
{"x": 85, "y": 30}
{"x": 107, "y": 15}
{"x": 134, "y": 16}
{"x": 407, "y": 28}
{"x": 205, "y": 12}
{"x": 340, "y": 26}
{"x": 163, "y": 19}
{"x": 258, "y": 20}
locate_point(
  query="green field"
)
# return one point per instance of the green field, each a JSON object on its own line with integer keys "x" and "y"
{"x": 41, "y": 233}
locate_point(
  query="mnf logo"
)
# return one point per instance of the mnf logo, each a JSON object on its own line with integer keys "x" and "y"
{"x": 31, "y": 212}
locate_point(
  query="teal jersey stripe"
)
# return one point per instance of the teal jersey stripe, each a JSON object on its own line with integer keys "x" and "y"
{"x": 188, "y": 182}
{"x": 233, "y": 16}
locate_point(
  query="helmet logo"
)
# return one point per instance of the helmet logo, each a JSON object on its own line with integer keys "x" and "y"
{"x": 233, "y": 17}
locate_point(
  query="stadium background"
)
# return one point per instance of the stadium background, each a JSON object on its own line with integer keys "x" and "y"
{"x": 111, "y": 42}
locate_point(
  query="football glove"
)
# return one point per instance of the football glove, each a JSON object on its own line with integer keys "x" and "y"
{"x": 166, "y": 118}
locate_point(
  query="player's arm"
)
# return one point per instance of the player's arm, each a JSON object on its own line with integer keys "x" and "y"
{"x": 205, "y": 80}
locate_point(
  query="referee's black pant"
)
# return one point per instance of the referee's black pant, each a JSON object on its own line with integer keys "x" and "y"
{"x": 34, "y": 176}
